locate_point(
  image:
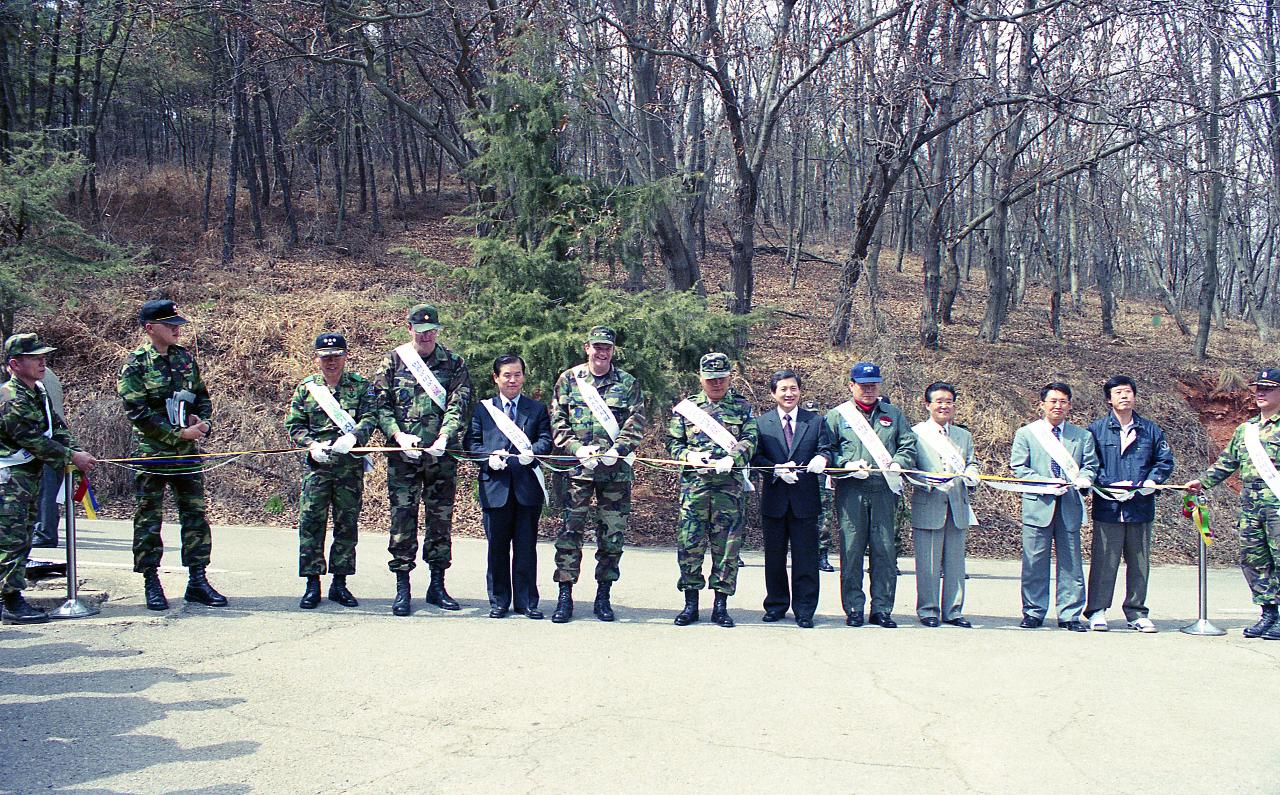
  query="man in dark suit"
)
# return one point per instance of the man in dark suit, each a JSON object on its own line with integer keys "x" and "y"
{"x": 510, "y": 429}
{"x": 797, "y": 444}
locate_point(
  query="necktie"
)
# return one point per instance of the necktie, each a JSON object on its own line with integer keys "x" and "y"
{"x": 1053, "y": 467}
{"x": 787, "y": 434}
{"x": 511, "y": 410}
{"x": 944, "y": 431}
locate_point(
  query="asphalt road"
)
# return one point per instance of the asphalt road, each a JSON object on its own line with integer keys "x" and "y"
{"x": 263, "y": 697}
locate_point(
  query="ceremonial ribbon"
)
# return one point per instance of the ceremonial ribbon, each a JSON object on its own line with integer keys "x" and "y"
{"x": 1195, "y": 509}
{"x": 83, "y": 494}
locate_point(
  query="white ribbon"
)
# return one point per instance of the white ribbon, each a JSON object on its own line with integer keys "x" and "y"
{"x": 422, "y": 374}
{"x": 931, "y": 435}
{"x": 21, "y": 456}
{"x": 599, "y": 409}
{"x": 871, "y": 442}
{"x": 712, "y": 427}
{"x": 1258, "y": 455}
{"x": 518, "y": 438}
{"x": 1043, "y": 433}
{"x": 335, "y": 412}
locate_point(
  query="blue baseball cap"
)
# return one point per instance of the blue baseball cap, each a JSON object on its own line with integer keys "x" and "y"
{"x": 865, "y": 373}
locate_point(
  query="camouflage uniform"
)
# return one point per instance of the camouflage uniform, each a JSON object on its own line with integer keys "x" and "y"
{"x": 339, "y": 481}
{"x": 146, "y": 381}
{"x": 573, "y": 426}
{"x": 405, "y": 407}
{"x": 1259, "y": 522}
{"x": 825, "y": 519}
{"x": 712, "y": 505}
{"x": 23, "y": 422}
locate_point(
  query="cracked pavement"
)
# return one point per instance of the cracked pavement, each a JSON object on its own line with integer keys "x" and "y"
{"x": 264, "y": 697}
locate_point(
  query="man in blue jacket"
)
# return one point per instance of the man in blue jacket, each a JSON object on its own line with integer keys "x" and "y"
{"x": 1132, "y": 452}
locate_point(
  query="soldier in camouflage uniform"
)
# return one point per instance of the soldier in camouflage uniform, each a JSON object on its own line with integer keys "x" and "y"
{"x": 827, "y": 517}
{"x": 603, "y": 471}
{"x": 333, "y": 475}
{"x": 32, "y": 436}
{"x": 1259, "y": 522}
{"x": 166, "y": 400}
{"x": 410, "y": 411}
{"x": 712, "y": 500}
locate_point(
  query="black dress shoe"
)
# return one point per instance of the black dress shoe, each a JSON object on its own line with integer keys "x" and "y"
{"x": 497, "y": 612}
{"x": 883, "y": 620}
{"x": 804, "y": 623}
{"x": 930, "y": 621}
{"x": 1031, "y": 622}
{"x": 853, "y": 620}
{"x": 963, "y": 623}
{"x": 1074, "y": 626}
{"x": 533, "y": 612}
{"x": 769, "y": 618}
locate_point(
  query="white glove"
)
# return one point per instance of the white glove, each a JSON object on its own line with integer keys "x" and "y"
{"x": 437, "y": 447}
{"x": 587, "y": 456}
{"x": 525, "y": 459}
{"x": 970, "y": 478}
{"x": 947, "y": 486}
{"x": 1082, "y": 482}
{"x": 407, "y": 442}
{"x": 698, "y": 459}
{"x": 498, "y": 460}
{"x": 860, "y": 469}
{"x": 723, "y": 465}
{"x": 609, "y": 457}
{"x": 344, "y": 443}
{"x": 894, "y": 466}
{"x": 1148, "y": 487}
{"x": 319, "y": 452}
{"x": 816, "y": 465}
{"x": 786, "y": 472}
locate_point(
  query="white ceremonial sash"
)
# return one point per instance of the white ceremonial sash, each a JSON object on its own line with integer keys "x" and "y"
{"x": 871, "y": 442}
{"x": 519, "y": 438}
{"x": 931, "y": 435}
{"x": 1043, "y": 433}
{"x": 332, "y": 409}
{"x": 712, "y": 427}
{"x": 1258, "y": 455}
{"x": 422, "y": 374}
{"x": 599, "y": 409}
{"x": 20, "y": 457}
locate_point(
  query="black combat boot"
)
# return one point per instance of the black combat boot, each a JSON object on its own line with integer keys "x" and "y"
{"x": 153, "y": 590}
{"x": 400, "y": 606}
{"x": 199, "y": 589}
{"x": 1269, "y": 618}
{"x": 720, "y": 610}
{"x": 311, "y": 596}
{"x": 17, "y": 611}
{"x": 690, "y": 612}
{"x": 564, "y": 604}
{"x": 603, "y": 610}
{"x": 436, "y": 594}
{"x": 824, "y": 564}
{"x": 338, "y": 592}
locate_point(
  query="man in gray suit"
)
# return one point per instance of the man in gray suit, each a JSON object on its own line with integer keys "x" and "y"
{"x": 940, "y": 511}
{"x": 1052, "y": 449}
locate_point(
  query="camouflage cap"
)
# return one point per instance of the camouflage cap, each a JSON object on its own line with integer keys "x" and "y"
{"x": 25, "y": 345}
{"x": 424, "y": 317}
{"x": 331, "y": 343}
{"x": 160, "y": 311}
{"x": 714, "y": 365}
{"x": 602, "y": 334}
{"x": 1269, "y": 378}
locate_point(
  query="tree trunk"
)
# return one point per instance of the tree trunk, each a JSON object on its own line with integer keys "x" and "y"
{"x": 236, "y": 110}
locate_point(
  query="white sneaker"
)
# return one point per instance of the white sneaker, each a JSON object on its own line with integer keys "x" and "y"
{"x": 1143, "y": 625}
{"x": 1098, "y": 621}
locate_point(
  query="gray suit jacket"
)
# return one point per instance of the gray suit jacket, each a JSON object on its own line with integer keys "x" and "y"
{"x": 1029, "y": 460}
{"x": 929, "y": 506}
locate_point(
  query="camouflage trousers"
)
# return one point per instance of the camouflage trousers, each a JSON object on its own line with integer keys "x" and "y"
{"x": 338, "y": 485}
{"x": 1259, "y": 527}
{"x": 18, "y": 510}
{"x": 825, "y": 521}
{"x": 430, "y": 482}
{"x": 613, "y": 504}
{"x": 188, "y": 496}
{"x": 714, "y": 518}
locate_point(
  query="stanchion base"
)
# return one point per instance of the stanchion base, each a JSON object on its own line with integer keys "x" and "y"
{"x": 1203, "y": 627}
{"x": 74, "y": 608}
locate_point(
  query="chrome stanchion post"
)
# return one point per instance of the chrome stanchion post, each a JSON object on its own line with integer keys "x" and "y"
{"x": 74, "y": 607}
{"x": 1203, "y": 626}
